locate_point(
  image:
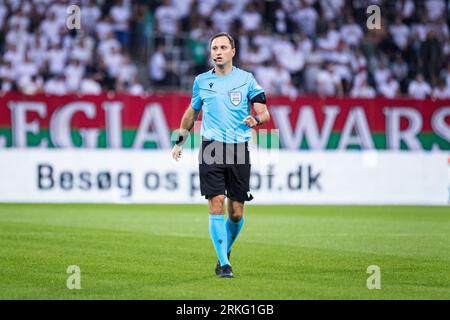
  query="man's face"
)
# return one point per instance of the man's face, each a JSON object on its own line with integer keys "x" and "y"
{"x": 221, "y": 51}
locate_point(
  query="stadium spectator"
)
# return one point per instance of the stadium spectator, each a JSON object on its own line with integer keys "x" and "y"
{"x": 363, "y": 90}
{"x": 32, "y": 85}
{"x": 351, "y": 32}
{"x": 56, "y": 85}
{"x": 331, "y": 9}
{"x": 91, "y": 15}
{"x": 134, "y": 87}
{"x": 381, "y": 73}
{"x": 158, "y": 67}
{"x": 434, "y": 9}
{"x": 223, "y": 17}
{"x": 104, "y": 27}
{"x": 389, "y": 88}
{"x": 250, "y": 19}
{"x": 419, "y": 88}
{"x": 127, "y": 72}
{"x": 120, "y": 14}
{"x": 281, "y": 82}
{"x": 74, "y": 72}
{"x": 306, "y": 19}
{"x": 331, "y": 39}
{"x": 167, "y": 19}
{"x": 329, "y": 82}
{"x": 89, "y": 85}
{"x": 441, "y": 91}
{"x": 399, "y": 32}
{"x": 405, "y": 8}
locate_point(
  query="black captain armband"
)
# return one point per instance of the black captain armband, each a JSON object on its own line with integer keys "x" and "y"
{"x": 260, "y": 98}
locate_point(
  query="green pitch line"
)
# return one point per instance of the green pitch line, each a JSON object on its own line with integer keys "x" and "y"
{"x": 164, "y": 252}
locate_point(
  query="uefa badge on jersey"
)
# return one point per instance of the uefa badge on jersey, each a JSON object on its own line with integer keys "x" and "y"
{"x": 235, "y": 97}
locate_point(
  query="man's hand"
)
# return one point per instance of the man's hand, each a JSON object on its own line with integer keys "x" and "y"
{"x": 176, "y": 152}
{"x": 250, "y": 122}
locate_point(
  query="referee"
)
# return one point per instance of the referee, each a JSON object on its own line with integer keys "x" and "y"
{"x": 224, "y": 94}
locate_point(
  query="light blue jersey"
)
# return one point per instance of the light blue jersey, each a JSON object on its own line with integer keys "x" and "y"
{"x": 225, "y": 103}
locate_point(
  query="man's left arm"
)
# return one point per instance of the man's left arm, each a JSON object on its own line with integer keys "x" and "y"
{"x": 262, "y": 115}
{"x": 257, "y": 98}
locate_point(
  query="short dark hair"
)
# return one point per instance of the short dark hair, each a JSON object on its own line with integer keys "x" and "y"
{"x": 223, "y": 34}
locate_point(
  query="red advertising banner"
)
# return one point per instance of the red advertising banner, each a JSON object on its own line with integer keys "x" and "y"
{"x": 125, "y": 121}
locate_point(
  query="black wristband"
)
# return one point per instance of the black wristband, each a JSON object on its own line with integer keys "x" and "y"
{"x": 180, "y": 140}
{"x": 258, "y": 121}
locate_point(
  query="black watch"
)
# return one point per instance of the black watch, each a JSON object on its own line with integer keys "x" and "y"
{"x": 258, "y": 121}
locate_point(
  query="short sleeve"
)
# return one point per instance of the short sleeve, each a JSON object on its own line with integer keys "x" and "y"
{"x": 253, "y": 88}
{"x": 196, "y": 101}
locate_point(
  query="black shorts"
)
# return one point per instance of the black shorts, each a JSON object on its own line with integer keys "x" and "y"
{"x": 225, "y": 170}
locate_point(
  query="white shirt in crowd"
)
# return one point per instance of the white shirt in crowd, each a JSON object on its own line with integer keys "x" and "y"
{"x": 82, "y": 53}
{"x": 389, "y": 89}
{"x": 74, "y": 72}
{"x": 419, "y": 89}
{"x": 26, "y": 70}
{"x": 56, "y": 86}
{"x": 91, "y": 14}
{"x": 103, "y": 28}
{"x": 7, "y": 72}
{"x": 222, "y": 19}
{"x": 90, "y": 86}
{"x": 435, "y": 9}
{"x": 113, "y": 62}
{"x": 127, "y": 72}
{"x": 167, "y": 18}
{"x": 351, "y": 34}
{"x": 121, "y": 15}
{"x": 400, "y": 33}
{"x": 280, "y": 82}
{"x": 292, "y": 59}
{"x": 331, "y": 8}
{"x": 31, "y": 86}
{"x": 406, "y": 8}
{"x": 363, "y": 91}
{"x": 56, "y": 58}
{"x": 306, "y": 18}
{"x": 182, "y": 6}
{"x": 330, "y": 41}
{"x": 263, "y": 75}
{"x": 381, "y": 75}
{"x": 441, "y": 93}
{"x": 206, "y": 7}
{"x": 158, "y": 66}
{"x": 251, "y": 20}
{"x": 419, "y": 31}
{"x": 106, "y": 46}
{"x": 136, "y": 89}
{"x": 327, "y": 83}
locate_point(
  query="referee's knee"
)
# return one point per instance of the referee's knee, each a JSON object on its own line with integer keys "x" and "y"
{"x": 216, "y": 204}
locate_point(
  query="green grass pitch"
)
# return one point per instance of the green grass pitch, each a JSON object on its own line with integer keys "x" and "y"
{"x": 164, "y": 252}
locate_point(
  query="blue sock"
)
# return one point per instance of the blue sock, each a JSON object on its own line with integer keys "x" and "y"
{"x": 233, "y": 229}
{"x": 218, "y": 233}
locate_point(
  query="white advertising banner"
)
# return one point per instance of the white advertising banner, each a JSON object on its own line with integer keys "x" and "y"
{"x": 119, "y": 176}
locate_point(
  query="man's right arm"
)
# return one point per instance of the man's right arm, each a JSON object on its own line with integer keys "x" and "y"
{"x": 187, "y": 123}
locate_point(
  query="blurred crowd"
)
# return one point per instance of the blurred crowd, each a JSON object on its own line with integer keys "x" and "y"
{"x": 293, "y": 47}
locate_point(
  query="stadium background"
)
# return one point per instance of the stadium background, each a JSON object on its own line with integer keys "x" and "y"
{"x": 359, "y": 117}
